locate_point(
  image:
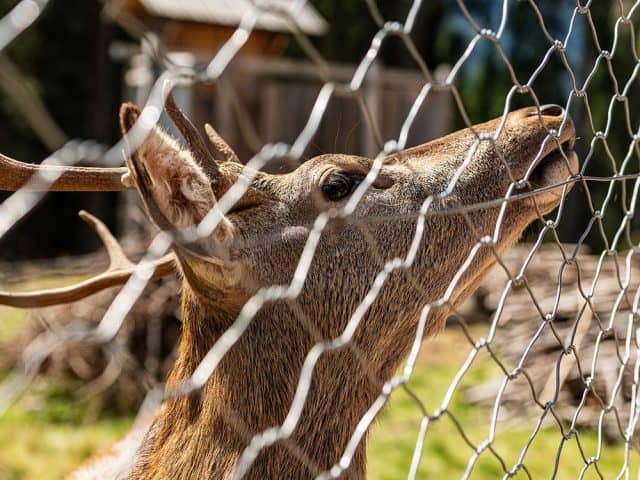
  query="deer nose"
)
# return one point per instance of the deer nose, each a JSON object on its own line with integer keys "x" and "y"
{"x": 550, "y": 109}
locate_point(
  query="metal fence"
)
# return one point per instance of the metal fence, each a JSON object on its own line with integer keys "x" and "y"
{"x": 624, "y": 255}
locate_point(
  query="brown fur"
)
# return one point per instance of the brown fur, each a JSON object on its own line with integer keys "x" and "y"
{"x": 203, "y": 435}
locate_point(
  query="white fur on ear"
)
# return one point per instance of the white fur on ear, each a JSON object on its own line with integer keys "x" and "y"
{"x": 180, "y": 188}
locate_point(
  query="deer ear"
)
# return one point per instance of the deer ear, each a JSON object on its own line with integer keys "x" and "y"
{"x": 129, "y": 113}
{"x": 174, "y": 188}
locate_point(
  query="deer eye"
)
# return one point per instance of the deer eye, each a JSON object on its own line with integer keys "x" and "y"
{"x": 339, "y": 185}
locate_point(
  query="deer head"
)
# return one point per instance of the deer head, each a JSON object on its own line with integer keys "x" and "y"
{"x": 257, "y": 243}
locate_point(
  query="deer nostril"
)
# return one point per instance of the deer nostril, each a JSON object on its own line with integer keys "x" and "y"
{"x": 550, "y": 109}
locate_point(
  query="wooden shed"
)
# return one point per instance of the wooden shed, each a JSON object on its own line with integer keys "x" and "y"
{"x": 201, "y": 26}
{"x": 261, "y": 97}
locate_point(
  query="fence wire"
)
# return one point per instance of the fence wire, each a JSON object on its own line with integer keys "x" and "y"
{"x": 23, "y": 201}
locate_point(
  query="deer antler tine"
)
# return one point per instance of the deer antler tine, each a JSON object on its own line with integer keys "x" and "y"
{"x": 194, "y": 141}
{"x": 57, "y": 296}
{"x": 117, "y": 257}
{"x": 220, "y": 146}
{"x": 119, "y": 270}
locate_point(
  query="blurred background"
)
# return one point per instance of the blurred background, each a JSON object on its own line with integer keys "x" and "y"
{"x": 65, "y": 77}
{"x": 82, "y": 59}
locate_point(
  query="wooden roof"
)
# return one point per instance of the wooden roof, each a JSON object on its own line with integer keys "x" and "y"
{"x": 231, "y": 12}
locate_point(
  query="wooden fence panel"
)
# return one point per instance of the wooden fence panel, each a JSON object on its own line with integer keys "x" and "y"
{"x": 267, "y": 100}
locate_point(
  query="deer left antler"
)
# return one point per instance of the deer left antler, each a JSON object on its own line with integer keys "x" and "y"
{"x": 16, "y": 175}
{"x": 119, "y": 270}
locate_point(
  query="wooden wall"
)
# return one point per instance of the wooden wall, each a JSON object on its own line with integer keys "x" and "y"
{"x": 270, "y": 100}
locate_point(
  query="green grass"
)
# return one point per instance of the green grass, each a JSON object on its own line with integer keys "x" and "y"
{"x": 445, "y": 453}
{"x": 50, "y": 431}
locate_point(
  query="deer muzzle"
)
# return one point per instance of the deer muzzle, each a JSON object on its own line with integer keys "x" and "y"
{"x": 557, "y": 161}
{"x": 528, "y": 151}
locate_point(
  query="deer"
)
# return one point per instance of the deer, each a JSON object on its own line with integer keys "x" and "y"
{"x": 257, "y": 243}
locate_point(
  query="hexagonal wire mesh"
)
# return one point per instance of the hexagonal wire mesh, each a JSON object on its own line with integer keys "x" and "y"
{"x": 25, "y": 199}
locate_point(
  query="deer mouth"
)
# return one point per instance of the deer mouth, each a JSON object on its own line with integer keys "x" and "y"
{"x": 550, "y": 174}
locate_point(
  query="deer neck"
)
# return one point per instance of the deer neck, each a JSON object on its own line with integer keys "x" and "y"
{"x": 204, "y": 435}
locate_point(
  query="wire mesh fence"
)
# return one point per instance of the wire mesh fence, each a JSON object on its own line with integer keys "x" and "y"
{"x": 597, "y": 328}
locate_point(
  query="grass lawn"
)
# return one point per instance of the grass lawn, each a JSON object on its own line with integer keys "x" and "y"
{"x": 49, "y": 432}
{"x": 446, "y": 454}
{"x": 50, "y": 441}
